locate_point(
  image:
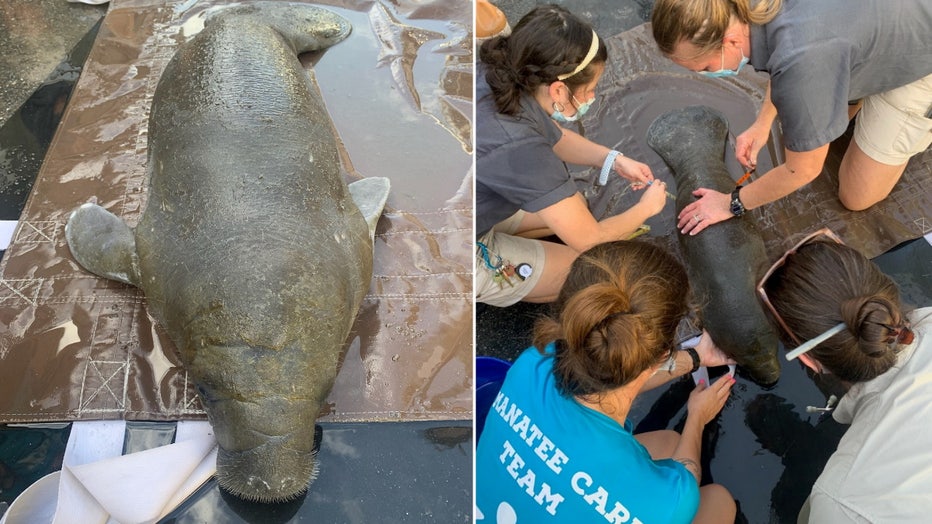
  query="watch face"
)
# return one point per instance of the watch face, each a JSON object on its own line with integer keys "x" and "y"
{"x": 524, "y": 271}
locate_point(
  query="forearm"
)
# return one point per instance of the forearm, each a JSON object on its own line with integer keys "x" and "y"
{"x": 689, "y": 447}
{"x": 774, "y": 185}
{"x": 574, "y": 148}
{"x": 798, "y": 170}
{"x": 618, "y": 227}
{"x": 683, "y": 364}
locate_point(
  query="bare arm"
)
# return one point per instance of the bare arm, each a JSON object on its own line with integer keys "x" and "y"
{"x": 704, "y": 404}
{"x": 755, "y": 137}
{"x": 577, "y": 149}
{"x": 709, "y": 355}
{"x": 571, "y": 220}
{"x": 798, "y": 170}
{"x": 714, "y": 207}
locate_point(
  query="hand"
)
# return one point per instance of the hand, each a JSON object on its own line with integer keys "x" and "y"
{"x": 709, "y": 354}
{"x": 706, "y": 401}
{"x": 711, "y": 207}
{"x": 749, "y": 144}
{"x": 639, "y": 174}
{"x": 655, "y": 197}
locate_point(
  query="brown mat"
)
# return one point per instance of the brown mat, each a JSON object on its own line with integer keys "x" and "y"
{"x": 73, "y": 346}
{"x": 640, "y": 85}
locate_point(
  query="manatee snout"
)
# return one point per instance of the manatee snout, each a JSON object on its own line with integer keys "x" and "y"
{"x": 262, "y": 403}
{"x": 267, "y": 451}
{"x": 278, "y": 470}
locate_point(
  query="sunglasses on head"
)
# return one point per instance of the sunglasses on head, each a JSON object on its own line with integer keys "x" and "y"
{"x": 802, "y": 347}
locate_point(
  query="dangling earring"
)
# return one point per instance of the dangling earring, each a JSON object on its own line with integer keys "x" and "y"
{"x": 557, "y": 106}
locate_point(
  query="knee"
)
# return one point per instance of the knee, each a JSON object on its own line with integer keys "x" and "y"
{"x": 716, "y": 504}
{"x": 716, "y": 492}
{"x": 857, "y": 202}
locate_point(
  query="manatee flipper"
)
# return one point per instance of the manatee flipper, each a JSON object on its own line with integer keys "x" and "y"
{"x": 370, "y": 195}
{"x": 103, "y": 244}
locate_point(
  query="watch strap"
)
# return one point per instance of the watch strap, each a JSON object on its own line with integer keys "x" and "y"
{"x": 695, "y": 356}
{"x": 737, "y": 207}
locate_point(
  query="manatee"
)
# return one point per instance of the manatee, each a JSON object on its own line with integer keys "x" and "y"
{"x": 726, "y": 260}
{"x": 252, "y": 252}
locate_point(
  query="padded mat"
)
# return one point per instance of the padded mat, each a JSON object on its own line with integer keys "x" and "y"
{"x": 640, "y": 84}
{"x": 399, "y": 89}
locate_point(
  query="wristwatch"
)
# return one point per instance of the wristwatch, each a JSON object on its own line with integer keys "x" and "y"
{"x": 695, "y": 356}
{"x": 737, "y": 208}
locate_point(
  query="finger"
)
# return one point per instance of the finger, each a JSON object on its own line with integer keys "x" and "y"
{"x": 688, "y": 212}
{"x": 692, "y": 224}
{"x": 700, "y": 192}
{"x": 698, "y": 228}
{"x": 723, "y": 381}
{"x": 686, "y": 225}
{"x": 723, "y": 385}
{"x": 755, "y": 149}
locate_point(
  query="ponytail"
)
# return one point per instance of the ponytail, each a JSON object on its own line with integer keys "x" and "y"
{"x": 616, "y": 316}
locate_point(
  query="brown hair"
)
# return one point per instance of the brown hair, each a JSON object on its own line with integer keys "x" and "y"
{"x": 704, "y": 23}
{"x": 547, "y": 42}
{"x": 615, "y": 317}
{"x": 825, "y": 283}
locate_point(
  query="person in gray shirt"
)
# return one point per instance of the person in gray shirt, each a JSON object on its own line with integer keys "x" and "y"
{"x": 820, "y": 56}
{"x": 544, "y": 74}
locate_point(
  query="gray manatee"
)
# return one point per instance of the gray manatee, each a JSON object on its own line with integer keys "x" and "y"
{"x": 725, "y": 261}
{"x": 252, "y": 252}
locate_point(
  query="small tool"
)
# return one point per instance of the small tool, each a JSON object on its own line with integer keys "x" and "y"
{"x": 746, "y": 177}
{"x": 651, "y": 182}
{"x": 828, "y": 406}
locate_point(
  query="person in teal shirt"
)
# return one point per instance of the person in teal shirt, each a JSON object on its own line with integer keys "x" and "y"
{"x": 557, "y": 445}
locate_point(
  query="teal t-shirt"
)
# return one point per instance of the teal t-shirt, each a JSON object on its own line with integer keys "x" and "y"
{"x": 543, "y": 457}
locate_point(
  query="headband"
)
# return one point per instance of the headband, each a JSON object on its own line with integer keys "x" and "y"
{"x": 809, "y": 344}
{"x": 593, "y": 48}
{"x": 902, "y": 335}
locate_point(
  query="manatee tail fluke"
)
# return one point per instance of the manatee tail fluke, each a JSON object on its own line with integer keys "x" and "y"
{"x": 305, "y": 27}
{"x": 103, "y": 244}
{"x": 370, "y": 195}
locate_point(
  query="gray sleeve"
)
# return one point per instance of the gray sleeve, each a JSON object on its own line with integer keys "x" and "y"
{"x": 810, "y": 93}
{"x": 529, "y": 174}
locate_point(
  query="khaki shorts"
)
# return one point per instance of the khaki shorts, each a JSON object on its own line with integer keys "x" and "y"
{"x": 516, "y": 250}
{"x": 892, "y": 126}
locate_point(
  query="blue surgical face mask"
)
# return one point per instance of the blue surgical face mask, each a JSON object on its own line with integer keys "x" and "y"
{"x": 726, "y": 72}
{"x": 581, "y": 110}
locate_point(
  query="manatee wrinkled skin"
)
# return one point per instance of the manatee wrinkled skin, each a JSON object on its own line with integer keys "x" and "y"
{"x": 725, "y": 261}
{"x": 251, "y": 251}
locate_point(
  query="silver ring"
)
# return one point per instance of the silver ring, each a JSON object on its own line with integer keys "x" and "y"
{"x": 697, "y": 218}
